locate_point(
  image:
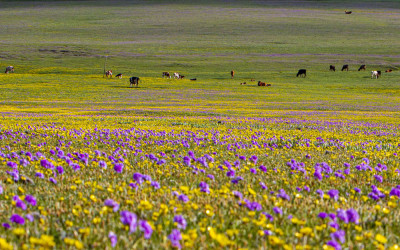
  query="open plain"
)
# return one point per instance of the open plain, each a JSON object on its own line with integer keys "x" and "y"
{"x": 88, "y": 162}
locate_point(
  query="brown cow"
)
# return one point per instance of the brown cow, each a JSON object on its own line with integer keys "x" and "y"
{"x": 345, "y": 67}
{"x": 362, "y": 67}
{"x": 109, "y": 73}
{"x": 388, "y": 70}
{"x": 119, "y": 76}
{"x": 232, "y": 74}
{"x": 243, "y": 83}
{"x": 260, "y": 83}
{"x": 332, "y": 68}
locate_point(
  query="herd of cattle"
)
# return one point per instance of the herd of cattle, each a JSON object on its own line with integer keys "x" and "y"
{"x": 302, "y": 73}
{"x": 374, "y": 74}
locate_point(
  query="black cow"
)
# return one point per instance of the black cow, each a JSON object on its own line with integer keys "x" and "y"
{"x": 362, "y": 67}
{"x": 134, "y": 81}
{"x": 345, "y": 67}
{"x": 119, "y": 75}
{"x": 166, "y": 74}
{"x": 332, "y": 68}
{"x": 302, "y": 72}
{"x": 9, "y": 69}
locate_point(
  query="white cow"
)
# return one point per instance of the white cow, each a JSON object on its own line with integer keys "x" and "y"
{"x": 375, "y": 74}
{"x": 176, "y": 75}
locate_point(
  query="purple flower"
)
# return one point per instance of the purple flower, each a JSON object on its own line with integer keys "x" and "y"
{"x": 342, "y": 215}
{"x": 395, "y": 192}
{"x": 21, "y": 204}
{"x": 183, "y": 198}
{"x": 113, "y": 238}
{"x": 353, "y": 216}
{"x": 30, "y": 217}
{"x": 282, "y": 194}
{"x": 321, "y": 193}
{"x": 39, "y": 175}
{"x": 378, "y": 178}
{"x": 130, "y": 219}
{"x": 318, "y": 175}
{"x": 254, "y": 206}
{"x": 175, "y": 237}
{"x": 155, "y": 184}
{"x": 204, "y": 187}
{"x": 230, "y": 173}
{"x": 111, "y": 203}
{"x": 322, "y": 215}
{"x": 262, "y": 168}
{"x": 211, "y": 176}
{"x": 268, "y": 216}
{"x": 60, "y": 169}
{"x": 334, "y": 194}
{"x": 357, "y": 190}
{"x": 103, "y": 164}
{"x": 252, "y": 170}
{"x": 180, "y": 221}
{"x": 1, "y": 190}
{"x": 31, "y": 200}
{"x": 263, "y": 186}
{"x": 237, "y": 194}
{"x": 339, "y": 235}
{"x": 16, "y": 218}
{"x": 12, "y": 164}
{"x": 334, "y": 244}
{"x": 6, "y": 225}
{"x": 118, "y": 167}
{"x": 138, "y": 177}
{"x": 145, "y": 227}
{"x": 277, "y": 210}
{"x": 51, "y": 179}
{"x": 254, "y": 159}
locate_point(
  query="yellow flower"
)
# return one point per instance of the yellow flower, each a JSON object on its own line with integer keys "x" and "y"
{"x": 306, "y": 230}
{"x": 19, "y": 231}
{"x": 380, "y": 238}
{"x": 96, "y": 220}
{"x": 4, "y": 245}
{"x": 275, "y": 241}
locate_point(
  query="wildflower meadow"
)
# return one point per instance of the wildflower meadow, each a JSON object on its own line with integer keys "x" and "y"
{"x": 88, "y": 162}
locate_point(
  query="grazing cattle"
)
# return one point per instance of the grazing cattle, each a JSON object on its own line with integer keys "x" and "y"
{"x": 181, "y": 76}
{"x": 109, "y": 73}
{"x": 134, "y": 81}
{"x": 260, "y": 83}
{"x": 166, "y": 74}
{"x": 268, "y": 84}
{"x": 177, "y": 75}
{"x": 243, "y": 83}
{"x": 362, "y": 67}
{"x": 232, "y": 74}
{"x": 388, "y": 70}
{"x": 348, "y": 12}
{"x": 345, "y": 67}
{"x": 193, "y": 79}
{"x": 9, "y": 69}
{"x": 302, "y": 72}
{"x": 119, "y": 76}
{"x": 375, "y": 74}
{"x": 332, "y": 68}
{"x": 252, "y": 80}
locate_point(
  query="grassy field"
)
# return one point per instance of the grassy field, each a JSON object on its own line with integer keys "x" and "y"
{"x": 308, "y": 163}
